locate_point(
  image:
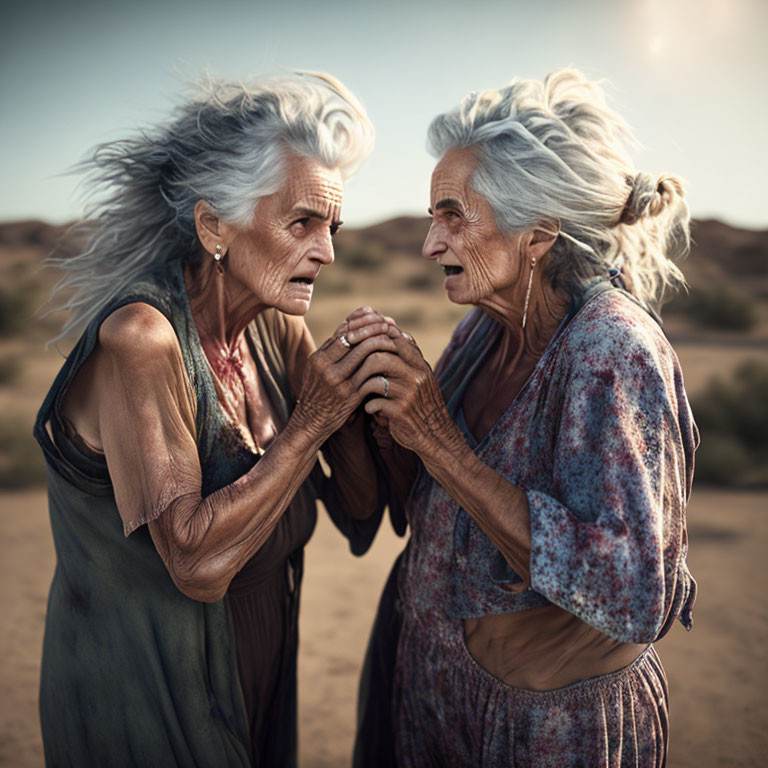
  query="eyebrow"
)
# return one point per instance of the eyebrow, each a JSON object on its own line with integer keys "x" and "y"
{"x": 310, "y": 212}
{"x": 449, "y": 202}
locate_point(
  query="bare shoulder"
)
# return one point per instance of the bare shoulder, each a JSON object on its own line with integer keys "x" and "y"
{"x": 137, "y": 347}
{"x": 138, "y": 331}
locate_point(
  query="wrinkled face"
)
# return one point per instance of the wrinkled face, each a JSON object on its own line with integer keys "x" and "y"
{"x": 279, "y": 256}
{"x": 481, "y": 264}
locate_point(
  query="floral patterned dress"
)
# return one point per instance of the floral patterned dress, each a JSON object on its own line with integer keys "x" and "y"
{"x": 601, "y": 439}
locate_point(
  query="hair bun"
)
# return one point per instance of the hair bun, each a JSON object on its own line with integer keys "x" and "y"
{"x": 649, "y": 196}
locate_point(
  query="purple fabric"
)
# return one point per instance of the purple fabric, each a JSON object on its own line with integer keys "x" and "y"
{"x": 451, "y": 712}
{"x": 602, "y": 440}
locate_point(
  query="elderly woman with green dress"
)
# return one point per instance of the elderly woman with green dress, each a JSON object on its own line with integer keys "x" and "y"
{"x": 182, "y": 433}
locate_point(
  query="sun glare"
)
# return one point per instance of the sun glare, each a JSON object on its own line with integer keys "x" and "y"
{"x": 681, "y": 33}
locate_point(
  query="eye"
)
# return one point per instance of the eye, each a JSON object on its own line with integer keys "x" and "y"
{"x": 451, "y": 214}
{"x": 299, "y": 225}
{"x": 335, "y": 226}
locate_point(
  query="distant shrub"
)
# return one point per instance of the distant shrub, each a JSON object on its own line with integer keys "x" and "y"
{"x": 332, "y": 285}
{"x": 15, "y": 310}
{"x": 727, "y": 309}
{"x": 21, "y": 460}
{"x": 721, "y": 460}
{"x": 423, "y": 281}
{"x": 411, "y": 318}
{"x": 733, "y": 420}
{"x": 368, "y": 256}
{"x": 10, "y": 370}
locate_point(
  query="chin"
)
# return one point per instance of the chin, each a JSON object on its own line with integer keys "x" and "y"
{"x": 458, "y": 294}
{"x": 295, "y": 299}
{"x": 294, "y": 307}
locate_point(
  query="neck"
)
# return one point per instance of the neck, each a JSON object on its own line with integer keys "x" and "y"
{"x": 546, "y": 309}
{"x": 221, "y": 306}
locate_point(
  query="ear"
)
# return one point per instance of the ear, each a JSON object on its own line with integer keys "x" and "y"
{"x": 539, "y": 242}
{"x": 208, "y": 227}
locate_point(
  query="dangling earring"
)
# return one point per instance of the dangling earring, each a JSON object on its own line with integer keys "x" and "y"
{"x": 528, "y": 292}
{"x": 217, "y": 257}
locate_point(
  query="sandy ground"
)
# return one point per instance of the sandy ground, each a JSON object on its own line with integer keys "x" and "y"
{"x": 717, "y": 673}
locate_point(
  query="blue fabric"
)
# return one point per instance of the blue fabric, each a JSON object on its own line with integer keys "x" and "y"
{"x": 602, "y": 439}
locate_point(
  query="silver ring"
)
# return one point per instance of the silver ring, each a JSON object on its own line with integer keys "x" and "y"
{"x": 343, "y": 340}
{"x": 386, "y": 386}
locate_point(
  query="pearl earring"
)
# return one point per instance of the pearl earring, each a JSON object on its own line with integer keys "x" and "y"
{"x": 218, "y": 256}
{"x": 528, "y": 292}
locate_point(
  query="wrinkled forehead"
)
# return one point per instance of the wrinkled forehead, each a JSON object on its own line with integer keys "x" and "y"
{"x": 308, "y": 181}
{"x": 453, "y": 175}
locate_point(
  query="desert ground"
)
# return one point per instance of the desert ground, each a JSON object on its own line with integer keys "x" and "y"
{"x": 717, "y": 672}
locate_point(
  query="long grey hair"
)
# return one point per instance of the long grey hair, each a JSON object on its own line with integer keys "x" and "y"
{"x": 226, "y": 145}
{"x": 553, "y": 156}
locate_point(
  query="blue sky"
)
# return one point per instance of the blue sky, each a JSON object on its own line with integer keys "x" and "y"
{"x": 689, "y": 75}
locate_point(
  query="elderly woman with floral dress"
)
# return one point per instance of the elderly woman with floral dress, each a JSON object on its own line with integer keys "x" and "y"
{"x": 545, "y": 466}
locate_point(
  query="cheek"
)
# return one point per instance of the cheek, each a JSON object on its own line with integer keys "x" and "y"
{"x": 269, "y": 257}
{"x": 480, "y": 263}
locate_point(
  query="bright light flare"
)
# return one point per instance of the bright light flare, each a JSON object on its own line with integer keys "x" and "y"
{"x": 682, "y": 33}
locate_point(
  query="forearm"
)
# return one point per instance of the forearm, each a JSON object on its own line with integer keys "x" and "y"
{"x": 496, "y": 505}
{"x": 417, "y": 419}
{"x": 206, "y": 541}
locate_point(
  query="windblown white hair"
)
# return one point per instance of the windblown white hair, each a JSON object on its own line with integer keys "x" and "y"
{"x": 226, "y": 145}
{"x": 554, "y": 156}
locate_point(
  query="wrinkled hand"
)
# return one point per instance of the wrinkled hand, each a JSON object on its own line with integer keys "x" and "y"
{"x": 358, "y": 323}
{"x": 413, "y": 407}
{"x": 363, "y": 322}
{"x": 330, "y": 392}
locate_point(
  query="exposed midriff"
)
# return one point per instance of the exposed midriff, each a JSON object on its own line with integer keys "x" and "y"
{"x": 544, "y": 648}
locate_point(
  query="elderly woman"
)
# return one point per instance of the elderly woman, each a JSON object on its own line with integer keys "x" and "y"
{"x": 555, "y": 451}
{"x": 183, "y": 431}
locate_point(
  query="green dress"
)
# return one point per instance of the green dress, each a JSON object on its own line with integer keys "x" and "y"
{"x": 135, "y": 673}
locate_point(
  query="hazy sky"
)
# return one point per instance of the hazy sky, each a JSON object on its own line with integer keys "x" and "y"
{"x": 689, "y": 75}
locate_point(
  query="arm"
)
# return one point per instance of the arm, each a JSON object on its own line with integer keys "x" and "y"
{"x": 147, "y": 430}
{"x": 607, "y": 548}
{"x": 352, "y": 486}
{"x": 419, "y": 422}
{"x": 609, "y": 541}
{"x": 397, "y": 466}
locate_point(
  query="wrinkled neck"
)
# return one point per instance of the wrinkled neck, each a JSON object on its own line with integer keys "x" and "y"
{"x": 546, "y": 309}
{"x": 222, "y": 308}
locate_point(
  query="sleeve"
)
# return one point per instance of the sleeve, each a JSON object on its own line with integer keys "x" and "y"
{"x": 359, "y": 532}
{"x": 146, "y": 415}
{"x": 608, "y": 544}
{"x": 296, "y": 345}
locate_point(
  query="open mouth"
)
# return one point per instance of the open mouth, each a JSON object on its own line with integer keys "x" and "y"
{"x": 452, "y": 270}
{"x": 303, "y": 280}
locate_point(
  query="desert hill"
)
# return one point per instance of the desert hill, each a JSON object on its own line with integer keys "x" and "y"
{"x": 720, "y": 254}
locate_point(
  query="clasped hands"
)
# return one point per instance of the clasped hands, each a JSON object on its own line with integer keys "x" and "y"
{"x": 370, "y": 364}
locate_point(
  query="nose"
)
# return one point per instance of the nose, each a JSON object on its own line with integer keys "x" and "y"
{"x": 434, "y": 245}
{"x": 323, "y": 251}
